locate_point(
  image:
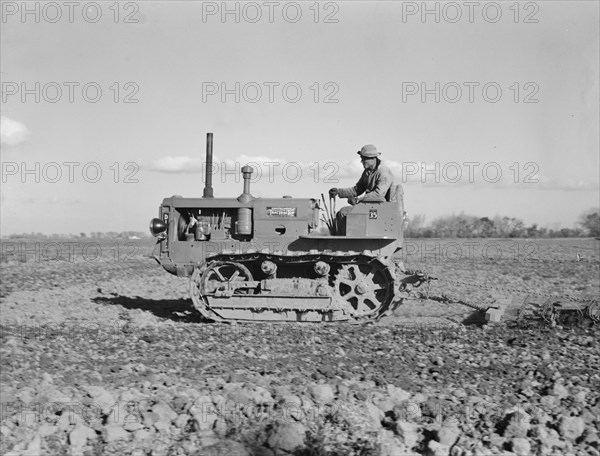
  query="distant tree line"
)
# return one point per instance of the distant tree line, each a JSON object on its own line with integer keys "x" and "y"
{"x": 470, "y": 226}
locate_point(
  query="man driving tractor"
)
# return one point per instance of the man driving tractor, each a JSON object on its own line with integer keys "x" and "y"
{"x": 375, "y": 182}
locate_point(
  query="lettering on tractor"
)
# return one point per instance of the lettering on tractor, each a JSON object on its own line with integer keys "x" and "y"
{"x": 268, "y": 259}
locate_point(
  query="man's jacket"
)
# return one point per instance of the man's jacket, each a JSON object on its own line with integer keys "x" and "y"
{"x": 374, "y": 183}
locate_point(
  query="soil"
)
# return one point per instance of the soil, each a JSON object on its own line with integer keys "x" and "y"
{"x": 103, "y": 353}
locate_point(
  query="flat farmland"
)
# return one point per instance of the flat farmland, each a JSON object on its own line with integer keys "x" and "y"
{"x": 103, "y": 353}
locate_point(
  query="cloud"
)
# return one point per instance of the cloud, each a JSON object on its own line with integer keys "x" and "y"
{"x": 184, "y": 164}
{"x": 12, "y": 133}
{"x": 180, "y": 164}
{"x": 553, "y": 183}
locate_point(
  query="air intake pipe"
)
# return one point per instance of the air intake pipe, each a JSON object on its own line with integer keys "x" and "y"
{"x": 243, "y": 225}
{"x": 247, "y": 174}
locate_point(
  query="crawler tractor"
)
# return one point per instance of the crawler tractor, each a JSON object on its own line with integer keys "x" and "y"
{"x": 269, "y": 259}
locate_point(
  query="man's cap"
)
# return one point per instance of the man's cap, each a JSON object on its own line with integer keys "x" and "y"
{"x": 369, "y": 151}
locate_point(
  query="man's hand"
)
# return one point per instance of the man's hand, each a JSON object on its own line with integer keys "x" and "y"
{"x": 353, "y": 200}
{"x": 333, "y": 192}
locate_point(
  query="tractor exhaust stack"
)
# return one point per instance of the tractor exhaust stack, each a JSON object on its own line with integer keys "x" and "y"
{"x": 208, "y": 190}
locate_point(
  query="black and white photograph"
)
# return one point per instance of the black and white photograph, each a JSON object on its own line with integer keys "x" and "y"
{"x": 300, "y": 228}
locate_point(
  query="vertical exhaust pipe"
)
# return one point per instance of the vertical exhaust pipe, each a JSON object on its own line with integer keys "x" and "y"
{"x": 208, "y": 190}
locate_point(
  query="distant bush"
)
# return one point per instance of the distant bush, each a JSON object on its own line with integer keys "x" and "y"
{"x": 470, "y": 226}
{"x": 590, "y": 222}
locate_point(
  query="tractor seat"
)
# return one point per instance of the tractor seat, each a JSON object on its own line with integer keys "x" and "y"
{"x": 395, "y": 193}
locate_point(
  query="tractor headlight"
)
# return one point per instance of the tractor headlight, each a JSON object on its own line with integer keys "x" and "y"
{"x": 157, "y": 226}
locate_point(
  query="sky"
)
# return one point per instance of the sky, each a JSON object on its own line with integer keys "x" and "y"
{"x": 484, "y": 108}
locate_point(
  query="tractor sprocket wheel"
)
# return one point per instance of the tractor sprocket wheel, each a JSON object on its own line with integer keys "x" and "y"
{"x": 205, "y": 281}
{"x": 220, "y": 273}
{"x": 366, "y": 289}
